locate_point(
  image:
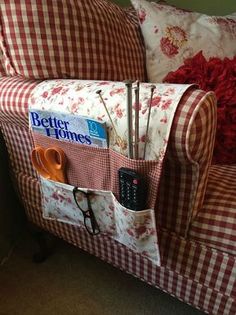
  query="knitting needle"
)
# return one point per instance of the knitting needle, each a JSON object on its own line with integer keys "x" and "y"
{"x": 118, "y": 138}
{"x": 149, "y": 113}
{"x": 136, "y": 123}
{"x": 128, "y": 85}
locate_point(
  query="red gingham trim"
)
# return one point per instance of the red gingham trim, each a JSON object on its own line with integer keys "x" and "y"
{"x": 216, "y": 222}
{"x": 183, "y": 183}
{"x": 77, "y": 39}
{"x": 104, "y": 164}
{"x": 14, "y": 96}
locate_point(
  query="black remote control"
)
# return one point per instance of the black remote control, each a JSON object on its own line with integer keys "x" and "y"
{"x": 132, "y": 189}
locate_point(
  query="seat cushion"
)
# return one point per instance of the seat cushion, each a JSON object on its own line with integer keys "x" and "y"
{"x": 94, "y": 40}
{"x": 215, "y": 224}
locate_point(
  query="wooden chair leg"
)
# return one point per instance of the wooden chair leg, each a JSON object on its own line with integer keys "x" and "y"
{"x": 41, "y": 239}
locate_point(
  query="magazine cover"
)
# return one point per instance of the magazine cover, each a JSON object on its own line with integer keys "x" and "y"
{"x": 66, "y": 127}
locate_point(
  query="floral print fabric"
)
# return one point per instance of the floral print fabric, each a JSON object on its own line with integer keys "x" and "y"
{"x": 59, "y": 204}
{"x": 80, "y": 98}
{"x": 137, "y": 230}
{"x": 134, "y": 229}
{"x": 172, "y": 35}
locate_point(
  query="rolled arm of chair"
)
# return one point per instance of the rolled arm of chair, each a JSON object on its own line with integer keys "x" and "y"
{"x": 187, "y": 161}
{"x": 189, "y": 155}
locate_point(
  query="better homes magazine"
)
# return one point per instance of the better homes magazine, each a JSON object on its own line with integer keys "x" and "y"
{"x": 67, "y": 127}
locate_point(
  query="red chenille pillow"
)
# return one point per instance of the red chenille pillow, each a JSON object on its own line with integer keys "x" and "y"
{"x": 72, "y": 39}
{"x": 219, "y": 76}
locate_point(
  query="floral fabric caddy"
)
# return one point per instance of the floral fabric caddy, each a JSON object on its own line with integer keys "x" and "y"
{"x": 79, "y": 97}
{"x": 134, "y": 229}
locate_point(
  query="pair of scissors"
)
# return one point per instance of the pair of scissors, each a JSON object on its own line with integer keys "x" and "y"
{"x": 50, "y": 163}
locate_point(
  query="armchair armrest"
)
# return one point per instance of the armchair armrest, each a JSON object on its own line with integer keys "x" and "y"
{"x": 188, "y": 159}
{"x": 189, "y": 155}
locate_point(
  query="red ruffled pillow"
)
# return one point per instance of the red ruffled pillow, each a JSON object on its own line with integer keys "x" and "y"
{"x": 219, "y": 76}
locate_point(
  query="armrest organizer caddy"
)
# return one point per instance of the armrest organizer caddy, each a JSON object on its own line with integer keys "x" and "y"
{"x": 95, "y": 170}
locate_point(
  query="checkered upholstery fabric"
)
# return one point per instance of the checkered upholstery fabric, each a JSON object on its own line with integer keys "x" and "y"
{"x": 2, "y": 70}
{"x": 104, "y": 163}
{"x": 72, "y": 39}
{"x": 216, "y": 221}
{"x": 194, "y": 273}
{"x": 14, "y": 95}
{"x": 193, "y": 269}
{"x": 5, "y": 65}
{"x": 185, "y": 174}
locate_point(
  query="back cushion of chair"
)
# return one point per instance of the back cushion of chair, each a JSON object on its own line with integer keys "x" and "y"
{"x": 72, "y": 39}
{"x": 5, "y": 64}
{"x": 2, "y": 70}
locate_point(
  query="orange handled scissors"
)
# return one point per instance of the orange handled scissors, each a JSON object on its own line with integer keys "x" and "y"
{"x": 50, "y": 163}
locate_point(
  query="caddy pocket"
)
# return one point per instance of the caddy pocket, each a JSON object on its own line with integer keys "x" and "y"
{"x": 97, "y": 168}
{"x": 137, "y": 230}
{"x": 134, "y": 229}
{"x": 59, "y": 204}
{"x": 95, "y": 171}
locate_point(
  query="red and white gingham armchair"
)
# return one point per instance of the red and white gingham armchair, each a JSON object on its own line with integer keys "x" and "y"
{"x": 196, "y": 215}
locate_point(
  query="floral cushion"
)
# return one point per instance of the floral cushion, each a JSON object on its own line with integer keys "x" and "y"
{"x": 172, "y": 35}
{"x": 189, "y": 47}
{"x": 72, "y": 39}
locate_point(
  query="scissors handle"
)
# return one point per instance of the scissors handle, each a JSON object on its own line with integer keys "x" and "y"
{"x": 50, "y": 163}
{"x": 56, "y": 157}
{"x": 56, "y": 160}
{"x": 38, "y": 161}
